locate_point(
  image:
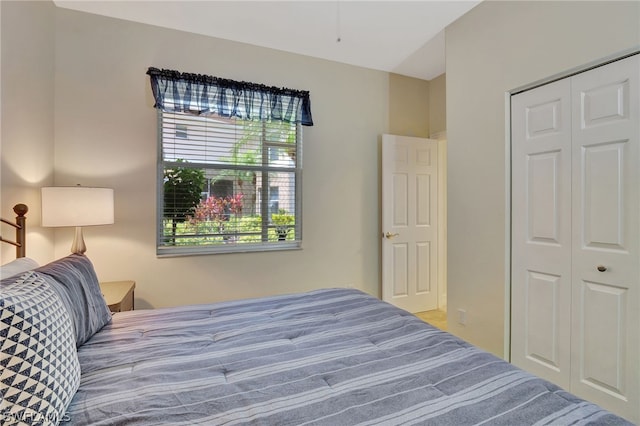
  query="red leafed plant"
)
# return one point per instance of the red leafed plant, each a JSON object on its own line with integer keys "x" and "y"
{"x": 217, "y": 210}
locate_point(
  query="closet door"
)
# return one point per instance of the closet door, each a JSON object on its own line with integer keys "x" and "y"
{"x": 606, "y": 214}
{"x": 575, "y": 279}
{"x": 541, "y": 231}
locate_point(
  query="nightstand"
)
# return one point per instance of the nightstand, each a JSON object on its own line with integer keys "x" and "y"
{"x": 118, "y": 295}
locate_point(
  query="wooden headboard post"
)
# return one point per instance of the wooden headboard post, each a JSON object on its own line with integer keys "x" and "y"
{"x": 21, "y": 240}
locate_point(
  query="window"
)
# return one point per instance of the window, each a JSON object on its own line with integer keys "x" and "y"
{"x": 229, "y": 185}
{"x": 229, "y": 169}
{"x": 181, "y": 131}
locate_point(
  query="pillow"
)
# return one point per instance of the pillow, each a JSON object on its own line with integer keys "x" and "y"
{"x": 18, "y": 266}
{"x": 75, "y": 280}
{"x": 40, "y": 371}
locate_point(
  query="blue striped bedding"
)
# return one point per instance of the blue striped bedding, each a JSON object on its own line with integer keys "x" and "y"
{"x": 329, "y": 357}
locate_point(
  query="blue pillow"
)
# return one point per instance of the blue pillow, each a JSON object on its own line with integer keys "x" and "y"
{"x": 40, "y": 371}
{"x": 75, "y": 280}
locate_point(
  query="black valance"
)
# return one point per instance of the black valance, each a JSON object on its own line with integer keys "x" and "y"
{"x": 199, "y": 94}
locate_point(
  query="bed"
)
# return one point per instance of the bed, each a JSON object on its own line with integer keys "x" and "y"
{"x": 327, "y": 357}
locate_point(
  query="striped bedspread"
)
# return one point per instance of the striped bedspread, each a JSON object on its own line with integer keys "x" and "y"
{"x": 329, "y": 357}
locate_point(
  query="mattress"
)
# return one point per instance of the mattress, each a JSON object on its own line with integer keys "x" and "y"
{"x": 328, "y": 357}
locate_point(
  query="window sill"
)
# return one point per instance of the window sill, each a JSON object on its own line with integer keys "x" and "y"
{"x": 225, "y": 249}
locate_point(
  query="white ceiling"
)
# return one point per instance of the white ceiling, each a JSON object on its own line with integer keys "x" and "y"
{"x": 404, "y": 37}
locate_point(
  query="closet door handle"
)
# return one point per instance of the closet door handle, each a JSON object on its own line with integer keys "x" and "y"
{"x": 601, "y": 268}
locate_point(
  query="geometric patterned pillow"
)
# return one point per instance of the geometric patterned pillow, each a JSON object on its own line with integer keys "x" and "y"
{"x": 39, "y": 368}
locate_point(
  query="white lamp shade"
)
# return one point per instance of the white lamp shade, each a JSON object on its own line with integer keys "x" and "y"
{"x": 76, "y": 206}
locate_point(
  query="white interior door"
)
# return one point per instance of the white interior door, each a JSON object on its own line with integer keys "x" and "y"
{"x": 541, "y": 231}
{"x": 410, "y": 222}
{"x": 606, "y": 273}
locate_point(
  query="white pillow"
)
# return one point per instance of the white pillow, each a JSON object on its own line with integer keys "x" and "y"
{"x": 18, "y": 266}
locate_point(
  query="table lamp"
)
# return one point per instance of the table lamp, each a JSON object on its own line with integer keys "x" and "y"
{"x": 77, "y": 206}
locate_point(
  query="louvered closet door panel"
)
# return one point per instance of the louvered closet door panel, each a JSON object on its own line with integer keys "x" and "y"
{"x": 606, "y": 294}
{"x": 541, "y": 231}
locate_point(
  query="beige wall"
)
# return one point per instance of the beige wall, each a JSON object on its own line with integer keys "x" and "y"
{"x": 438, "y": 105}
{"x": 103, "y": 132}
{"x": 106, "y": 135}
{"x": 82, "y": 113}
{"x": 494, "y": 48}
{"x": 26, "y": 114}
{"x": 408, "y": 106}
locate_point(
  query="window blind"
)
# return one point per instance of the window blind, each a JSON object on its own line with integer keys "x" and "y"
{"x": 228, "y": 184}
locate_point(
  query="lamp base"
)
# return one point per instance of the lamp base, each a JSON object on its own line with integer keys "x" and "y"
{"x": 78, "y": 246}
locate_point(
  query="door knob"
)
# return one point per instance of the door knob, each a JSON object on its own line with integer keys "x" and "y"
{"x": 601, "y": 268}
{"x": 389, "y": 235}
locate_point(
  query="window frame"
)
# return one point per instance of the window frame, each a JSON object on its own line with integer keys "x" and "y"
{"x": 263, "y": 246}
